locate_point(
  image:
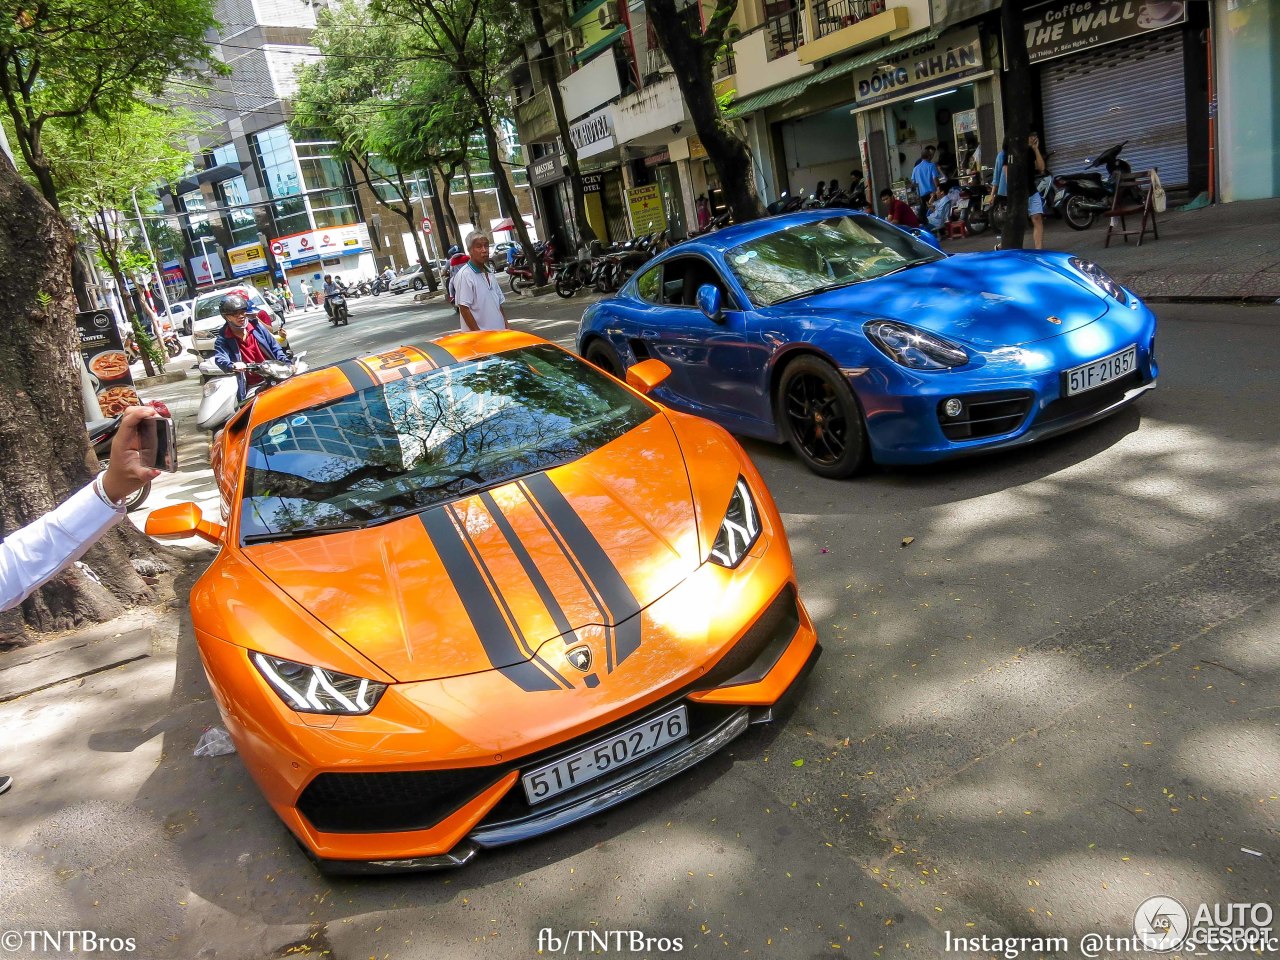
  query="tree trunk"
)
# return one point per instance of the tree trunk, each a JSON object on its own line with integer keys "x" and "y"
{"x": 586, "y": 235}
{"x": 443, "y": 207}
{"x": 504, "y": 186}
{"x": 44, "y": 452}
{"x": 473, "y": 208}
{"x": 1017, "y": 119}
{"x": 692, "y": 57}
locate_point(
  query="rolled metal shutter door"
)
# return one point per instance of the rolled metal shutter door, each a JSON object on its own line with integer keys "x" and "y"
{"x": 1132, "y": 91}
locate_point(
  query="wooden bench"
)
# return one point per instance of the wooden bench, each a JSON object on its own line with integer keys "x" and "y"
{"x": 1123, "y": 204}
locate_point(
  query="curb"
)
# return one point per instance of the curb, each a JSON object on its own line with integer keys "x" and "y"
{"x": 160, "y": 378}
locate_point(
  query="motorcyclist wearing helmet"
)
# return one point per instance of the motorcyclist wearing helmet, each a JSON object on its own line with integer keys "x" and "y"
{"x": 242, "y": 341}
{"x": 331, "y": 289}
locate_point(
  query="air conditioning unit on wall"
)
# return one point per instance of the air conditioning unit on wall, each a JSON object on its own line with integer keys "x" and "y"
{"x": 609, "y": 16}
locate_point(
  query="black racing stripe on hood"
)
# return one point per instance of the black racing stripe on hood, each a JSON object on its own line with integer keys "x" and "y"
{"x": 545, "y": 593}
{"x": 495, "y": 632}
{"x": 438, "y": 354}
{"x": 616, "y": 594}
{"x": 357, "y": 374}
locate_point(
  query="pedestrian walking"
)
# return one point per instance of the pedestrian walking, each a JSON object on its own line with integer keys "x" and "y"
{"x": 286, "y": 294}
{"x": 926, "y": 176}
{"x": 308, "y": 295}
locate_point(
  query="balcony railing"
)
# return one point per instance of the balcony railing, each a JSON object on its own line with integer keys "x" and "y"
{"x": 782, "y": 29}
{"x": 832, "y": 15}
{"x": 655, "y": 61}
{"x": 726, "y": 67}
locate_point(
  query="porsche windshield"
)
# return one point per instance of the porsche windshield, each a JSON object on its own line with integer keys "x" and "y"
{"x": 400, "y": 447}
{"x": 808, "y": 258}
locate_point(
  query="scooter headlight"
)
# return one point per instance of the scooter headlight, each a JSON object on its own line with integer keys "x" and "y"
{"x": 210, "y": 387}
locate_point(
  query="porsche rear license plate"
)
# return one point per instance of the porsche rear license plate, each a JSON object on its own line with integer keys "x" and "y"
{"x": 1090, "y": 375}
{"x": 599, "y": 758}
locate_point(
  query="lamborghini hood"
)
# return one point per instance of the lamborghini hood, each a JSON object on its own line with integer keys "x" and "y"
{"x": 482, "y": 582}
{"x": 987, "y": 300}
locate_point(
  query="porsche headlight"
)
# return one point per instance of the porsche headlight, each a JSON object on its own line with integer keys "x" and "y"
{"x": 739, "y": 530}
{"x": 914, "y": 348}
{"x": 309, "y": 689}
{"x": 1100, "y": 279}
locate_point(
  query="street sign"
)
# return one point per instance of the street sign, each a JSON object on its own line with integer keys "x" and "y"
{"x": 426, "y": 224}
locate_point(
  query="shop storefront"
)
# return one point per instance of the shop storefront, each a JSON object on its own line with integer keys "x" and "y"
{"x": 553, "y": 196}
{"x": 940, "y": 92}
{"x": 1114, "y": 72}
{"x": 667, "y": 177}
{"x": 345, "y": 250}
{"x": 1247, "y": 48}
{"x": 602, "y": 193}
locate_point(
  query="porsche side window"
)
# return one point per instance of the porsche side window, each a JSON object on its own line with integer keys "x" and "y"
{"x": 649, "y": 283}
{"x": 684, "y": 275}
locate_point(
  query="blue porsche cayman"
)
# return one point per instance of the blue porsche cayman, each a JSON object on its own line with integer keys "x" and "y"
{"x": 855, "y": 341}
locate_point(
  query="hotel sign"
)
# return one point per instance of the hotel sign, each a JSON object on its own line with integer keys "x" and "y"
{"x": 593, "y": 135}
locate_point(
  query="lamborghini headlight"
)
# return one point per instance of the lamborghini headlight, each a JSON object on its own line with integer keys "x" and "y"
{"x": 914, "y": 348}
{"x": 309, "y": 689}
{"x": 1100, "y": 279}
{"x": 739, "y": 530}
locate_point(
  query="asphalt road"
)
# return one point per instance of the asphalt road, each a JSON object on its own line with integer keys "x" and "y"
{"x": 1047, "y": 693}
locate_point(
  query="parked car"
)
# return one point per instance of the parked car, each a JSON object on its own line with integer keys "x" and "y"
{"x": 472, "y": 591}
{"x": 855, "y": 341}
{"x": 410, "y": 278}
{"x": 180, "y": 313}
{"x": 207, "y": 321}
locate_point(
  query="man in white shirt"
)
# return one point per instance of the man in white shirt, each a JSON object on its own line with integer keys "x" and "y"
{"x": 43, "y": 548}
{"x": 476, "y": 290}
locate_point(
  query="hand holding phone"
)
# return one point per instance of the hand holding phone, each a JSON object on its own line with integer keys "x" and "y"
{"x": 144, "y": 440}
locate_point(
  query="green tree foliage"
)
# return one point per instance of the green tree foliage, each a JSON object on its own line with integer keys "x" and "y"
{"x": 99, "y": 163}
{"x": 63, "y": 59}
{"x": 476, "y": 41}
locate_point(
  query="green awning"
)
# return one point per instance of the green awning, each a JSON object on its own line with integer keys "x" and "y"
{"x": 793, "y": 89}
{"x": 583, "y": 56}
{"x": 869, "y": 57}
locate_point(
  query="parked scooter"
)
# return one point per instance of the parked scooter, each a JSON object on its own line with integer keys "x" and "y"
{"x": 520, "y": 273}
{"x": 219, "y": 403}
{"x": 1082, "y": 197}
{"x": 102, "y": 432}
{"x": 574, "y": 275}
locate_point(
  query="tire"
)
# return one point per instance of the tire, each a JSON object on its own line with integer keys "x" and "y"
{"x": 135, "y": 499}
{"x": 1077, "y": 218}
{"x": 377, "y": 292}
{"x": 418, "y": 284}
{"x": 977, "y": 225}
{"x": 565, "y": 287}
{"x": 511, "y": 282}
{"x": 817, "y": 413}
{"x": 601, "y": 354}
{"x": 173, "y": 348}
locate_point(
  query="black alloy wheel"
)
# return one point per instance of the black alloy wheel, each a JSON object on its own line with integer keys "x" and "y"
{"x": 602, "y": 355}
{"x": 819, "y": 417}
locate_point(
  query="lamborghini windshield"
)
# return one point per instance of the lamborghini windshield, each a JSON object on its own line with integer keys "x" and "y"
{"x": 400, "y": 447}
{"x": 808, "y": 258}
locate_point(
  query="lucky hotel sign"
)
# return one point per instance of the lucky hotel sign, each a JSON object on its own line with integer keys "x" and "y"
{"x": 927, "y": 65}
{"x": 1067, "y": 26}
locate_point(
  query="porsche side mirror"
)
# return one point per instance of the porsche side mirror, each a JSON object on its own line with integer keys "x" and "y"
{"x": 926, "y": 236}
{"x": 182, "y": 520}
{"x": 647, "y": 375}
{"x": 709, "y": 302}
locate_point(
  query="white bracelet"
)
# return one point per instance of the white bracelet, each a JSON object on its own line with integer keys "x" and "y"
{"x": 100, "y": 490}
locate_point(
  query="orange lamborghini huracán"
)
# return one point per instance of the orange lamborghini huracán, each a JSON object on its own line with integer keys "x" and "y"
{"x": 475, "y": 590}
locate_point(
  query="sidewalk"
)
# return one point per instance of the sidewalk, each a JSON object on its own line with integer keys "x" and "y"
{"x": 1228, "y": 251}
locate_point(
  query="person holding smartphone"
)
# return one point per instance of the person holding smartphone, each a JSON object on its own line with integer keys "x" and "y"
{"x": 36, "y": 553}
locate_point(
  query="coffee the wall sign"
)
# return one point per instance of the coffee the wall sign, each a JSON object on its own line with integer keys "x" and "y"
{"x": 1068, "y": 26}
{"x": 924, "y": 66}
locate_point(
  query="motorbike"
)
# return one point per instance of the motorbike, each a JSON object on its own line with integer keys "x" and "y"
{"x": 380, "y": 285}
{"x": 102, "y": 432}
{"x": 785, "y": 204}
{"x": 520, "y": 272}
{"x": 1083, "y": 196}
{"x": 219, "y": 401}
{"x": 339, "y": 312}
{"x": 574, "y": 275}
{"x": 169, "y": 342}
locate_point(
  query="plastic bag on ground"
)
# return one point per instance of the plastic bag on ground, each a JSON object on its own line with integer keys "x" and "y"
{"x": 215, "y": 742}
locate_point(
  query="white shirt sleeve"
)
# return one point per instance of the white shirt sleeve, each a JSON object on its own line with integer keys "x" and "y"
{"x": 41, "y": 549}
{"x": 464, "y": 287}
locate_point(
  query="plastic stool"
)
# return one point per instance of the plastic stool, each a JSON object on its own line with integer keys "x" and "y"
{"x": 956, "y": 230}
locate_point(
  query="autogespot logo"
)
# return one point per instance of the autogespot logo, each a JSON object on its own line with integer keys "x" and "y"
{"x": 1161, "y": 923}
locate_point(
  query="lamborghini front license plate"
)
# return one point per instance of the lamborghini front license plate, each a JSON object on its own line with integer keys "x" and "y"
{"x": 599, "y": 758}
